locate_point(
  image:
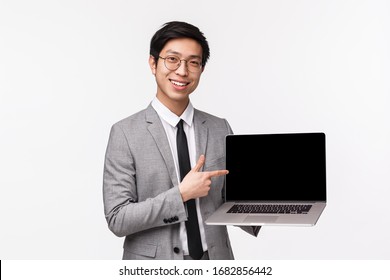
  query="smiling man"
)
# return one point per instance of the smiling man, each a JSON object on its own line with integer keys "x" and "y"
{"x": 164, "y": 166}
{"x": 179, "y": 72}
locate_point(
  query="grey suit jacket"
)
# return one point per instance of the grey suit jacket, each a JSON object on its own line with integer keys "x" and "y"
{"x": 140, "y": 186}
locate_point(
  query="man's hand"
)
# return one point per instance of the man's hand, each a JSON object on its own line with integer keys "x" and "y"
{"x": 197, "y": 184}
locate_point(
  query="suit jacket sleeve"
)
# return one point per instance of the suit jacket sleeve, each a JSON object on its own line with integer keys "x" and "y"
{"x": 124, "y": 213}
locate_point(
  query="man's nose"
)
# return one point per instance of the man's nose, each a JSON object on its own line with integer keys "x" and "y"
{"x": 182, "y": 70}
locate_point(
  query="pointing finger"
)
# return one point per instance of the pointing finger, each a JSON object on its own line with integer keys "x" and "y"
{"x": 217, "y": 173}
{"x": 199, "y": 164}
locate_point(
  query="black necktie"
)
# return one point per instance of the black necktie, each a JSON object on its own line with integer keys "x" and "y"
{"x": 193, "y": 235}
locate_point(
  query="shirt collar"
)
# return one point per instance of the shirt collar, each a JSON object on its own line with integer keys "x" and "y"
{"x": 171, "y": 118}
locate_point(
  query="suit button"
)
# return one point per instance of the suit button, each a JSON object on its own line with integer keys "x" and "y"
{"x": 170, "y": 220}
{"x": 165, "y": 221}
{"x": 176, "y": 218}
{"x": 176, "y": 250}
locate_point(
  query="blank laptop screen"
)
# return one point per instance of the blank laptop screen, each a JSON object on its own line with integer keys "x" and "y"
{"x": 276, "y": 167}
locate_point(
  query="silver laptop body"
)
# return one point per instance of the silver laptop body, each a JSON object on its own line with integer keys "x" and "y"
{"x": 274, "y": 179}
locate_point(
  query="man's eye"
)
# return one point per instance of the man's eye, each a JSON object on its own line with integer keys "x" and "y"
{"x": 172, "y": 59}
{"x": 195, "y": 63}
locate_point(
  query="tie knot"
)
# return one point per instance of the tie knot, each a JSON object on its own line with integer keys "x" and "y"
{"x": 180, "y": 124}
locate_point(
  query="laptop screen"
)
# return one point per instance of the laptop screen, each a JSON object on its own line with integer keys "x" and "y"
{"x": 276, "y": 167}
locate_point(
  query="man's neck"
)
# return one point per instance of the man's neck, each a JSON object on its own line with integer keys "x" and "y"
{"x": 175, "y": 106}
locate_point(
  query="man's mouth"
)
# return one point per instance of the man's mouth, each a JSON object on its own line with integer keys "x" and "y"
{"x": 179, "y": 84}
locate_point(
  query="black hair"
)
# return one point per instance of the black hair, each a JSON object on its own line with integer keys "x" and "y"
{"x": 177, "y": 29}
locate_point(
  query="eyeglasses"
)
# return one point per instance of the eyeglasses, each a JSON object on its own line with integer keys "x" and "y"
{"x": 173, "y": 63}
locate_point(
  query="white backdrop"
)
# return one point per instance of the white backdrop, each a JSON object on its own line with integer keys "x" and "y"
{"x": 70, "y": 69}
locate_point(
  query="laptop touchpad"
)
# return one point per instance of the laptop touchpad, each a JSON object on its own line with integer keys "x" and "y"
{"x": 260, "y": 219}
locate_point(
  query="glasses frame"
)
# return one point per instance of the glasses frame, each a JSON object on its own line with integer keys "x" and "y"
{"x": 178, "y": 66}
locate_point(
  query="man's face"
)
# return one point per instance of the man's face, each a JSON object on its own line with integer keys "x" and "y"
{"x": 175, "y": 86}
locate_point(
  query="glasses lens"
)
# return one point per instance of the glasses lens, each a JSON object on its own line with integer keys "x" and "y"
{"x": 172, "y": 62}
{"x": 194, "y": 65}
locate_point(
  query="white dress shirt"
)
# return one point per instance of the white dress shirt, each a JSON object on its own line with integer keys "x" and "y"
{"x": 169, "y": 121}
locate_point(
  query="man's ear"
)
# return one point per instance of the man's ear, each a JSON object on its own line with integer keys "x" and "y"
{"x": 152, "y": 64}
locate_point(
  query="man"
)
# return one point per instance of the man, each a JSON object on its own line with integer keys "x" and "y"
{"x": 164, "y": 166}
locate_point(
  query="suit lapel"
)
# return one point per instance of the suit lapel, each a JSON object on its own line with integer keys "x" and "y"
{"x": 157, "y": 131}
{"x": 201, "y": 134}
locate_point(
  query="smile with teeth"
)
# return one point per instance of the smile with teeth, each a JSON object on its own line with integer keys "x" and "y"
{"x": 180, "y": 84}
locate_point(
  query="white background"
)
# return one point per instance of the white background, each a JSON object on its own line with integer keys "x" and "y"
{"x": 70, "y": 69}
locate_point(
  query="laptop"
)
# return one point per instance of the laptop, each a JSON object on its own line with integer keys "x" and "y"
{"x": 274, "y": 179}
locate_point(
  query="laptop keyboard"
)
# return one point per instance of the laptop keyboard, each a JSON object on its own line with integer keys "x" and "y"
{"x": 270, "y": 208}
